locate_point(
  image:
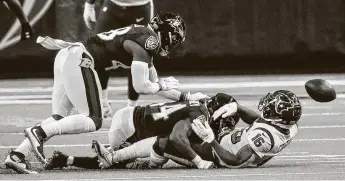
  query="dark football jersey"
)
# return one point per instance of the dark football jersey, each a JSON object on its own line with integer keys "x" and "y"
{"x": 159, "y": 119}
{"x": 107, "y": 48}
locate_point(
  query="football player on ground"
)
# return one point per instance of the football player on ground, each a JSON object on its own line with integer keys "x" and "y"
{"x": 268, "y": 133}
{"x": 141, "y": 124}
{"x": 252, "y": 146}
{"x": 116, "y": 14}
{"x": 14, "y": 5}
{"x": 76, "y": 82}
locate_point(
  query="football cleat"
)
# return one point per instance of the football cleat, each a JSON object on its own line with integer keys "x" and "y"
{"x": 58, "y": 160}
{"x": 104, "y": 155}
{"x": 36, "y": 139}
{"x": 16, "y": 161}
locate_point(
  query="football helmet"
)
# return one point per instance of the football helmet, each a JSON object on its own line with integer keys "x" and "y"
{"x": 171, "y": 30}
{"x": 281, "y": 106}
{"x": 221, "y": 125}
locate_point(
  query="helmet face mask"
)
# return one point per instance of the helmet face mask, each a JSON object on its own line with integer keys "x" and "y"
{"x": 171, "y": 31}
{"x": 281, "y": 106}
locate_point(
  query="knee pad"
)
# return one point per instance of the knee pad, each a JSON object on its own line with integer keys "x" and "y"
{"x": 98, "y": 121}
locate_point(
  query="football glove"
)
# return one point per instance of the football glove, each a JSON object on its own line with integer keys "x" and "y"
{"x": 168, "y": 83}
{"x": 89, "y": 14}
{"x": 204, "y": 131}
{"x": 225, "y": 111}
{"x": 27, "y": 31}
{"x": 202, "y": 164}
{"x": 196, "y": 97}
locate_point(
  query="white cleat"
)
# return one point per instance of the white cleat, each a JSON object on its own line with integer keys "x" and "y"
{"x": 16, "y": 161}
{"x": 105, "y": 156}
{"x": 36, "y": 140}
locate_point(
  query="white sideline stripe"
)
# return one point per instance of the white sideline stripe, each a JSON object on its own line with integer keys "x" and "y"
{"x": 105, "y": 131}
{"x": 86, "y": 145}
{"x": 200, "y": 85}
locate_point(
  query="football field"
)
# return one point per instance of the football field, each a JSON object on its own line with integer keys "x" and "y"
{"x": 316, "y": 153}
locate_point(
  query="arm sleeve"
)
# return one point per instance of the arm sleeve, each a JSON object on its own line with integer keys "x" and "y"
{"x": 170, "y": 94}
{"x": 140, "y": 78}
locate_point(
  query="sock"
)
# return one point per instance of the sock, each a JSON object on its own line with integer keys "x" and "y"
{"x": 70, "y": 161}
{"x": 73, "y": 124}
{"x": 86, "y": 162}
{"x": 25, "y": 146}
{"x": 132, "y": 103}
{"x": 140, "y": 149}
{"x": 156, "y": 160}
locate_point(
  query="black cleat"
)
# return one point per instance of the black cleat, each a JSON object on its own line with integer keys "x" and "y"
{"x": 58, "y": 160}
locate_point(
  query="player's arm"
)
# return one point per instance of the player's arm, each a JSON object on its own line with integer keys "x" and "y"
{"x": 179, "y": 138}
{"x": 173, "y": 93}
{"x": 27, "y": 31}
{"x": 247, "y": 115}
{"x": 140, "y": 71}
{"x": 14, "y": 5}
{"x": 245, "y": 155}
{"x": 89, "y": 14}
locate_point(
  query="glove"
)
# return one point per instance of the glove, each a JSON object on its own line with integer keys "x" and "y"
{"x": 225, "y": 111}
{"x": 89, "y": 14}
{"x": 27, "y": 31}
{"x": 204, "y": 131}
{"x": 202, "y": 164}
{"x": 168, "y": 83}
{"x": 107, "y": 110}
{"x": 197, "y": 96}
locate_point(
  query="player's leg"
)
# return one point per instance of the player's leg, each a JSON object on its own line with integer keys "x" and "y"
{"x": 84, "y": 91}
{"x": 133, "y": 96}
{"x": 61, "y": 106}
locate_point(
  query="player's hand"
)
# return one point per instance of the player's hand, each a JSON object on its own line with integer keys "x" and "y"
{"x": 204, "y": 131}
{"x": 107, "y": 110}
{"x": 27, "y": 31}
{"x": 202, "y": 164}
{"x": 225, "y": 111}
{"x": 168, "y": 83}
{"x": 89, "y": 14}
{"x": 196, "y": 97}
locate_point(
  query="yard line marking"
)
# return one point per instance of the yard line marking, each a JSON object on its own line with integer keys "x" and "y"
{"x": 84, "y": 145}
{"x": 105, "y": 131}
{"x": 200, "y": 85}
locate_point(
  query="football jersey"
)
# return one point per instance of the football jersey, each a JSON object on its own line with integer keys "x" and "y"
{"x": 266, "y": 139}
{"x": 107, "y": 48}
{"x": 159, "y": 119}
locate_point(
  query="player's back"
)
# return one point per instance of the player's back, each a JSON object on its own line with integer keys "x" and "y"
{"x": 159, "y": 119}
{"x": 108, "y": 46}
{"x": 265, "y": 138}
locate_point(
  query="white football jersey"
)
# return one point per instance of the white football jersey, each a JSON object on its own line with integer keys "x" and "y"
{"x": 266, "y": 139}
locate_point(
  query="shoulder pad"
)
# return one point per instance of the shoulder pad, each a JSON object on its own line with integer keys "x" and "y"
{"x": 147, "y": 39}
{"x": 261, "y": 140}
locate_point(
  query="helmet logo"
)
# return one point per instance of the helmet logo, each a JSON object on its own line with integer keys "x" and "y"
{"x": 151, "y": 43}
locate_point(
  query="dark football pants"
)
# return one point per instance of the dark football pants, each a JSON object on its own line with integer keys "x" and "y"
{"x": 112, "y": 16}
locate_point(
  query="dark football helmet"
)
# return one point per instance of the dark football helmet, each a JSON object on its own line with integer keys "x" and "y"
{"x": 282, "y": 106}
{"x": 171, "y": 30}
{"x": 221, "y": 126}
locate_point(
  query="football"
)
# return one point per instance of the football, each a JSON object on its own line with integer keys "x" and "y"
{"x": 320, "y": 90}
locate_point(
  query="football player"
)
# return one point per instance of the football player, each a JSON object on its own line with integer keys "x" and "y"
{"x": 140, "y": 125}
{"x": 116, "y": 14}
{"x": 252, "y": 146}
{"x": 14, "y": 5}
{"x": 76, "y": 82}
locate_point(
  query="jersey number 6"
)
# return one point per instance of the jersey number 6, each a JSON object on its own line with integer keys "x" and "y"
{"x": 258, "y": 140}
